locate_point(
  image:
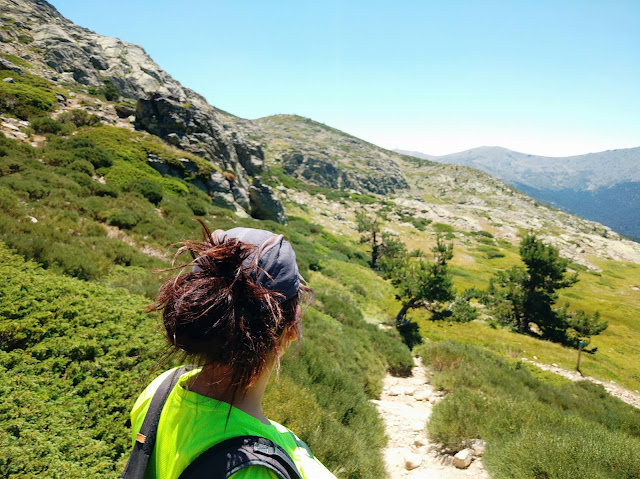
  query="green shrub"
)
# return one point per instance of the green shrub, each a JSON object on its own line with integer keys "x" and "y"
{"x": 151, "y": 190}
{"x": 62, "y": 152}
{"x": 199, "y": 206}
{"x": 27, "y": 96}
{"x": 109, "y": 91}
{"x": 83, "y": 166}
{"x": 420, "y": 223}
{"x": 533, "y": 428}
{"x": 396, "y": 353}
{"x": 44, "y": 124}
{"x": 462, "y": 311}
{"x": 75, "y": 355}
{"x": 491, "y": 252}
{"x": 123, "y": 219}
{"x": 442, "y": 228}
{"x": 79, "y": 118}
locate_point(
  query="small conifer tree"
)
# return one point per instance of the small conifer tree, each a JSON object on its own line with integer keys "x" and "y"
{"x": 522, "y": 296}
{"x": 369, "y": 227}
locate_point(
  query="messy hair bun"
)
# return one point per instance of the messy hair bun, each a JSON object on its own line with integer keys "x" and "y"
{"x": 218, "y": 313}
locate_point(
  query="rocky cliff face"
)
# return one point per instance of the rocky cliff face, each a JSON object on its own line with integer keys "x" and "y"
{"x": 324, "y": 156}
{"x": 67, "y": 54}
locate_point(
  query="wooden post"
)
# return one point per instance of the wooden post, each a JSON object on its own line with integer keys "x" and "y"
{"x": 580, "y": 344}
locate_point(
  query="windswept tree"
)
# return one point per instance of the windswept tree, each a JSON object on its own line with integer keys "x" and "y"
{"x": 369, "y": 228}
{"x": 420, "y": 283}
{"x": 522, "y": 296}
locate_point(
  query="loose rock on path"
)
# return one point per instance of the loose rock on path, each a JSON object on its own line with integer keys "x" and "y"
{"x": 405, "y": 406}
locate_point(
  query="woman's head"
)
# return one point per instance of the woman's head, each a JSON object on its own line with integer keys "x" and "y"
{"x": 239, "y": 303}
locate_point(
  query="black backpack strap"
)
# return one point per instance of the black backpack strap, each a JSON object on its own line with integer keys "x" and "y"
{"x": 146, "y": 438}
{"x": 232, "y": 455}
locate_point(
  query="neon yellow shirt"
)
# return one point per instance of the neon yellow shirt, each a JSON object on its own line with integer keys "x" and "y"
{"x": 191, "y": 423}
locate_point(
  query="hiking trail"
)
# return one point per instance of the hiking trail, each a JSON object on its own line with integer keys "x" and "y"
{"x": 405, "y": 406}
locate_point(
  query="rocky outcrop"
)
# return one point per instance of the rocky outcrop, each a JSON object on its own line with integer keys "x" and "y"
{"x": 320, "y": 172}
{"x": 321, "y": 155}
{"x": 63, "y": 52}
{"x": 7, "y": 65}
{"x": 71, "y": 53}
{"x": 324, "y": 172}
{"x": 200, "y": 131}
{"x": 263, "y": 205}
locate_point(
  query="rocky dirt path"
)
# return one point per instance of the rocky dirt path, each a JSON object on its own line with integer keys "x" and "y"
{"x": 630, "y": 397}
{"x": 405, "y": 406}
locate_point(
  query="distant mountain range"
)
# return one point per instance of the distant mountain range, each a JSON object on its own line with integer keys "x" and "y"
{"x": 604, "y": 187}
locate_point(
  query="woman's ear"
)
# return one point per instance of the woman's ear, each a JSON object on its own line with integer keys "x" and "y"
{"x": 294, "y": 331}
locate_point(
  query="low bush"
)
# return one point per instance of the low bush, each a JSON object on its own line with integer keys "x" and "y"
{"x": 79, "y": 118}
{"x": 151, "y": 190}
{"x": 44, "y": 125}
{"x": 123, "y": 219}
{"x": 533, "y": 428}
{"x": 442, "y": 228}
{"x": 491, "y": 252}
{"x": 27, "y": 96}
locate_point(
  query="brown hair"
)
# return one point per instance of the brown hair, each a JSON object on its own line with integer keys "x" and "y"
{"x": 218, "y": 314}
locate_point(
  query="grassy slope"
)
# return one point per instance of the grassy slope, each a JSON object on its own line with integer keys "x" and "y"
{"x": 610, "y": 292}
{"x": 573, "y": 429}
{"x": 74, "y": 355}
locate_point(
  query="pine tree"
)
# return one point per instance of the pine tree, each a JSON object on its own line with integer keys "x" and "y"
{"x": 370, "y": 229}
{"x": 521, "y": 296}
{"x": 420, "y": 284}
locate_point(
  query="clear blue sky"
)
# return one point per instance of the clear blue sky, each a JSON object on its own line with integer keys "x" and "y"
{"x": 556, "y": 77}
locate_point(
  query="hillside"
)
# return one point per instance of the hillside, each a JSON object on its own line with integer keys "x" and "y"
{"x": 321, "y": 155}
{"x": 463, "y": 197}
{"x": 104, "y": 162}
{"x": 603, "y": 187}
{"x": 35, "y": 38}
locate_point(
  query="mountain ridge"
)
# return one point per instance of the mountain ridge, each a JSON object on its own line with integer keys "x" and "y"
{"x": 602, "y": 186}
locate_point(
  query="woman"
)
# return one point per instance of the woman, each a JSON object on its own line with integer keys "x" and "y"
{"x": 235, "y": 314}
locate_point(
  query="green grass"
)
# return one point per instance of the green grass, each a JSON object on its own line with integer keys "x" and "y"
{"x": 27, "y": 96}
{"x": 20, "y": 62}
{"x": 575, "y": 429}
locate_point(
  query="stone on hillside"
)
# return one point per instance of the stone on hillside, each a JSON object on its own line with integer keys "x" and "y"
{"x": 8, "y": 80}
{"x": 463, "y": 458}
{"x": 396, "y": 391}
{"x": 420, "y": 441}
{"x": 265, "y": 205}
{"x": 7, "y": 65}
{"x": 124, "y": 111}
{"x": 421, "y": 396}
{"x": 417, "y": 427}
{"x": 319, "y": 168}
{"x": 412, "y": 461}
{"x": 197, "y": 130}
{"x": 478, "y": 446}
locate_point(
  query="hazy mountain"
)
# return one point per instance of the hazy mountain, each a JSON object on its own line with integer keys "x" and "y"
{"x": 603, "y": 186}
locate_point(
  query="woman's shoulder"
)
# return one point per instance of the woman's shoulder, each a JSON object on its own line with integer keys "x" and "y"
{"x": 143, "y": 401}
{"x": 308, "y": 465}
